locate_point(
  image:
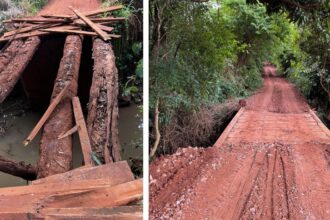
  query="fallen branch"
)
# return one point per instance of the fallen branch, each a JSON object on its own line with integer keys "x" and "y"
{"x": 27, "y": 172}
{"x": 154, "y": 148}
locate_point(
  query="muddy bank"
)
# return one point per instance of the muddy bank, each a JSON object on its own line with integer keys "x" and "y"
{"x": 198, "y": 128}
{"x": 18, "y": 127}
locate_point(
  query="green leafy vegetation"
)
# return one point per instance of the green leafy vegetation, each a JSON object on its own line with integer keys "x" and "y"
{"x": 30, "y": 7}
{"x": 306, "y": 60}
{"x": 207, "y": 53}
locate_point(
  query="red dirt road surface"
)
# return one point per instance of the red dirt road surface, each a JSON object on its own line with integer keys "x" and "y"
{"x": 58, "y": 7}
{"x": 271, "y": 162}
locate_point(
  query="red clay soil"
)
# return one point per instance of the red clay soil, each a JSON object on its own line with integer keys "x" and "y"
{"x": 62, "y": 6}
{"x": 273, "y": 164}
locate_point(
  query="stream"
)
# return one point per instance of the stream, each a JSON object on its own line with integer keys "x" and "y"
{"x": 11, "y": 147}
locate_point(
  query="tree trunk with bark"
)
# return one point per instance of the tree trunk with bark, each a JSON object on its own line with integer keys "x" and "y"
{"x": 102, "y": 121}
{"x": 56, "y": 155}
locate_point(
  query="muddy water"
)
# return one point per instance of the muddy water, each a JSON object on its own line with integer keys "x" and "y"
{"x": 11, "y": 146}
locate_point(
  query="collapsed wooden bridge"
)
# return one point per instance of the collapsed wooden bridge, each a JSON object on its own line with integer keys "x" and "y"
{"x": 60, "y": 192}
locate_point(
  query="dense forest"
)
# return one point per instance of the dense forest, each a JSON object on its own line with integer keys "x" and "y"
{"x": 205, "y": 54}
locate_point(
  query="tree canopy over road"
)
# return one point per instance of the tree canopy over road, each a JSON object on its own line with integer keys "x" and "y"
{"x": 207, "y": 52}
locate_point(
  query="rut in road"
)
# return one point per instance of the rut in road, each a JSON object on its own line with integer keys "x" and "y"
{"x": 271, "y": 162}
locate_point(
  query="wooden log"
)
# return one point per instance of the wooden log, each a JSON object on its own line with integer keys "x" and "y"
{"x": 101, "y": 125}
{"x": 83, "y": 133}
{"x": 46, "y": 115}
{"x": 9, "y": 53}
{"x": 118, "y": 213}
{"x": 56, "y": 155}
{"x": 101, "y": 33}
{"x": 69, "y": 132}
{"x": 10, "y": 75}
{"x": 27, "y": 172}
{"x": 117, "y": 195}
{"x": 114, "y": 171}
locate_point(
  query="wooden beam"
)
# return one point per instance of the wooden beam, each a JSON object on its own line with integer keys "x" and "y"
{"x": 108, "y": 19}
{"x": 118, "y": 195}
{"x": 57, "y": 16}
{"x": 83, "y": 134}
{"x": 114, "y": 171}
{"x": 69, "y": 132}
{"x": 105, "y": 28}
{"x": 98, "y": 30}
{"x": 104, "y": 10}
{"x": 118, "y": 213}
{"x": 65, "y": 31}
{"x": 46, "y": 115}
{"x": 88, "y": 14}
{"x": 36, "y": 20}
{"x": 27, "y": 29}
{"x": 26, "y": 35}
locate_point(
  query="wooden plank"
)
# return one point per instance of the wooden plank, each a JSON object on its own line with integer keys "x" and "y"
{"x": 117, "y": 195}
{"x": 88, "y": 14}
{"x": 101, "y": 33}
{"x": 98, "y": 196}
{"x": 103, "y": 10}
{"x": 46, "y": 115}
{"x": 226, "y": 132}
{"x": 69, "y": 132}
{"x": 83, "y": 134}
{"x": 27, "y": 35}
{"x": 57, "y": 188}
{"x": 57, "y": 16}
{"x": 111, "y": 19}
{"x": 37, "y": 20}
{"x": 120, "y": 212}
{"x": 105, "y": 28}
{"x": 119, "y": 171}
{"x": 65, "y": 31}
{"x": 29, "y": 28}
{"x": 101, "y": 26}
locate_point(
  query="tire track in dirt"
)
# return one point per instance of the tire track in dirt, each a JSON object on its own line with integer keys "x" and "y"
{"x": 273, "y": 164}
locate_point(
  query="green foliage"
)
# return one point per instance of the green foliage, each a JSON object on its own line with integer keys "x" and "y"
{"x": 30, "y": 6}
{"x": 203, "y": 55}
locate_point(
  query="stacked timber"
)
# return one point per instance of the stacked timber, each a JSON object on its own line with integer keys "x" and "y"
{"x": 101, "y": 192}
{"x": 92, "y": 23}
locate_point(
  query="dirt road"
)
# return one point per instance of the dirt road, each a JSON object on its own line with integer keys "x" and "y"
{"x": 271, "y": 162}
